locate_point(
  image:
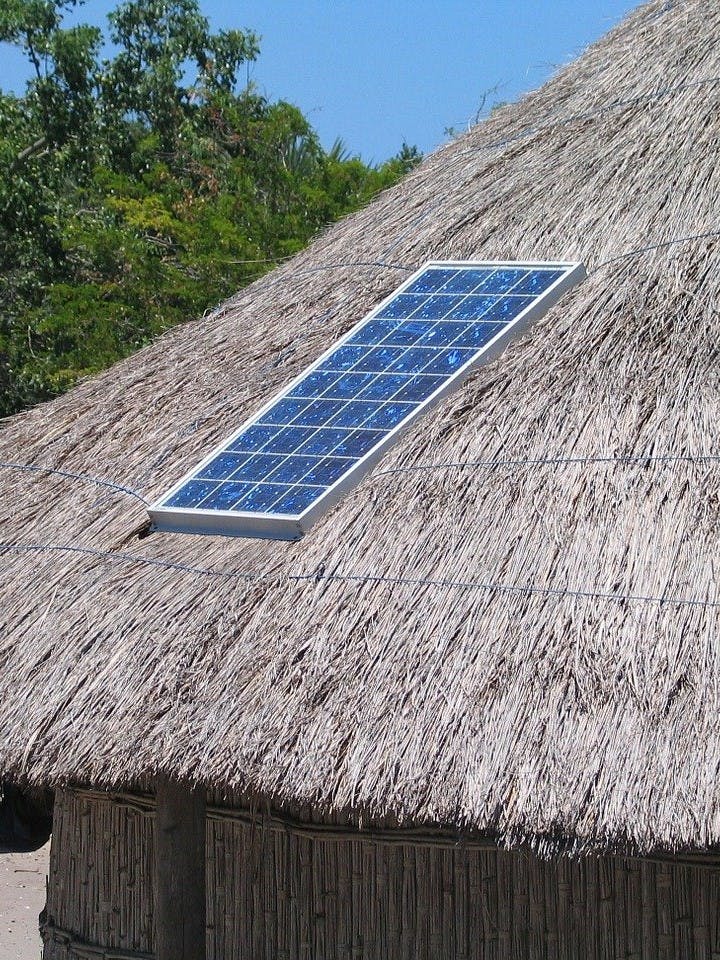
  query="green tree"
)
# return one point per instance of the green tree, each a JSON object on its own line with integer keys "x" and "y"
{"x": 138, "y": 190}
{"x": 160, "y": 43}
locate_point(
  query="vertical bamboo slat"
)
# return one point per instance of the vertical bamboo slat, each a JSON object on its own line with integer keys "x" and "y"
{"x": 682, "y": 908}
{"x": 699, "y": 915}
{"x": 649, "y": 920}
{"x": 713, "y": 890}
{"x": 619, "y": 908}
{"x": 663, "y": 891}
{"x": 606, "y": 903}
{"x": 536, "y": 912}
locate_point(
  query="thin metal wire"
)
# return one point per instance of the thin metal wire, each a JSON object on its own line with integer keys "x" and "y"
{"x": 655, "y": 246}
{"x": 528, "y": 589}
{"x": 69, "y": 475}
{"x": 122, "y": 557}
{"x": 411, "y": 468}
{"x": 559, "y": 121}
{"x": 283, "y": 259}
{"x": 357, "y": 263}
{"x": 359, "y": 578}
{"x": 551, "y": 461}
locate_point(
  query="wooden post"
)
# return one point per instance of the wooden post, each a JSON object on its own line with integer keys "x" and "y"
{"x": 179, "y": 872}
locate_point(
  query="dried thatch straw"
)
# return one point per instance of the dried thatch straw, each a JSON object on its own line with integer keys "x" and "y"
{"x": 529, "y": 649}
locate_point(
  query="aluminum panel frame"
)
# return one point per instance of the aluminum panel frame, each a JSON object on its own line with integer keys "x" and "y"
{"x": 276, "y": 526}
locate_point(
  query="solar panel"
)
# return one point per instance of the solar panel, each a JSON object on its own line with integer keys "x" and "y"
{"x": 318, "y": 437}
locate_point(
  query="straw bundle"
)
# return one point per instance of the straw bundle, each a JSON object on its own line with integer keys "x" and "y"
{"x": 527, "y": 649}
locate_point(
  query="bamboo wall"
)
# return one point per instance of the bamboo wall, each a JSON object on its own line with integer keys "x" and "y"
{"x": 275, "y": 895}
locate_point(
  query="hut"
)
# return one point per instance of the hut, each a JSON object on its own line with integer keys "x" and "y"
{"x": 473, "y": 713}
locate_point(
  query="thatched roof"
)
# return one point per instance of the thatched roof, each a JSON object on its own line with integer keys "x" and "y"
{"x": 511, "y": 626}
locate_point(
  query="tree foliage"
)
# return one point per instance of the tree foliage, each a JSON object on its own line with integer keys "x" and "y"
{"x": 141, "y": 188}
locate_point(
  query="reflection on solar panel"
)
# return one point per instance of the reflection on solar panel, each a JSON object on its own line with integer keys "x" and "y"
{"x": 315, "y": 440}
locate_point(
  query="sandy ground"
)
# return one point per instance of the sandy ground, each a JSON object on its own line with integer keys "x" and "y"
{"x": 22, "y": 897}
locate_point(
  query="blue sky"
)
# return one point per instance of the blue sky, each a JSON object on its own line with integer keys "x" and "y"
{"x": 380, "y": 72}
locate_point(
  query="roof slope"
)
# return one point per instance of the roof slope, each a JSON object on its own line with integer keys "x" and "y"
{"x": 528, "y": 647}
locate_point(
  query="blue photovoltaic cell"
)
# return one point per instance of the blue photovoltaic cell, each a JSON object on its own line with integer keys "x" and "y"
{"x": 346, "y": 405}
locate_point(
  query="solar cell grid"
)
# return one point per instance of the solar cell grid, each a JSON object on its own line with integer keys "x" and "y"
{"x": 273, "y": 476}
